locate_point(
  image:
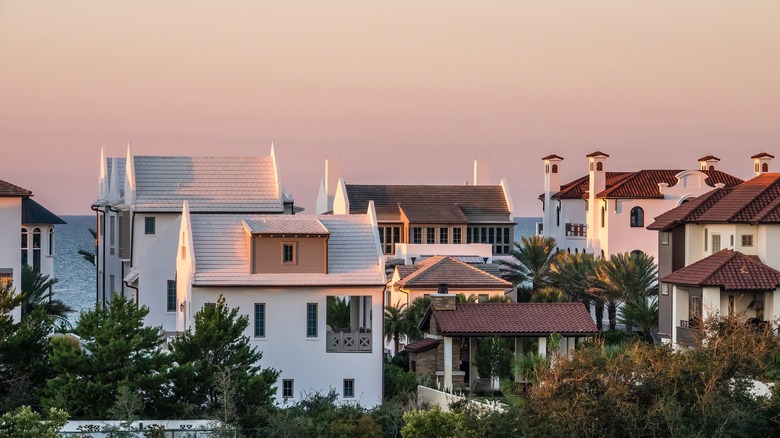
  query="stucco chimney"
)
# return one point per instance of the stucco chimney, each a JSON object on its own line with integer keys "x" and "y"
{"x": 761, "y": 163}
{"x": 709, "y": 162}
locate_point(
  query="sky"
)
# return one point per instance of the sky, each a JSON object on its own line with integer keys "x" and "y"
{"x": 400, "y": 92}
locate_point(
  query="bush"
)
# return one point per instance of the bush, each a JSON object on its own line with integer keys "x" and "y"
{"x": 401, "y": 360}
{"x": 614, "y": 337}
{"x": 434, "y": 423}
{"x": 398, "y": 384}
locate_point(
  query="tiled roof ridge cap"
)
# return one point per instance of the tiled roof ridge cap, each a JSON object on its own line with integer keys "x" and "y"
{"x": 200, "y": 156}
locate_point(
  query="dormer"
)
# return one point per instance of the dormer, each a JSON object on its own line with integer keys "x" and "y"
{"x": 286, "y": 246}
{"x": 709, "y": 162}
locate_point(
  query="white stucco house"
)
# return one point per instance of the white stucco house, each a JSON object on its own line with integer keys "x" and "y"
{"x": 21, "y": 215}
{"x": 286, "y": 273}
{"x": 139, "y": 215}
{"x": 605, "y": 212}
{"x": 720, "y": 254}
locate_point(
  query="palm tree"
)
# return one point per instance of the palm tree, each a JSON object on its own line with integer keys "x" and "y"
{"x": 530, "y": 262}
{"x": 89, "y": 255}
{"x": 576, "y": 275}
{"x": 462, "y": 298}
{"x": 38, "y": 292}
{"x": 413, "y": 315}
{"x": 499, "y": 299}
{"x": 626, "y": 277}
{"x": 339, "y": 312}
{"x": 395, "y": 323}
{"x": 641, "y": 313}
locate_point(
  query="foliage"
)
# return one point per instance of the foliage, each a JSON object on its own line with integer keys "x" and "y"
{"x": 38, "y": 293}
{"x": 493, "y": 358}
{"x": 491, "y": 423}
{"x": 434, "y": 423}
{"x": 575, "y": 274}
{"x": 338, "y": 312}
{"x": 462, "y": 298}
{"x": 414, "y": 315}
{"x": 530, "y": 262}
{"x": 549, "y": 294}
{"x": 641, "y": 313}
{"x": 401, "y": 360}
{"x": 119, "y": 350}
{"x": 396, "y": 324}
{"x": 218, "y": 374}
{"x": 87, "y": 254}
{"x": 399, "y": 383}
{"x": 24, "y": 352}
{"x": 24, "y": 423}
{"x": 653, "y": 391}
{"x": 626, "y": 277}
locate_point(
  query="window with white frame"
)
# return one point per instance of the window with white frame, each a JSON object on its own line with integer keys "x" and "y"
{"x": 637, "y": 217}
{"x": 349, "y": 388}
{"x": 311, "y": 320}
{"x": 444, "y": 235}
{"x": 149, "y": 225}
{"x": 456, "y": 236}
{"x": 171, "y": 301}
{"x": 288, "y": 388}
{"x": 664, "y": 238}
{"x": 715, "y": 243}
{"x": 259, "y": 320}
{"x": 288, "y": 252}
{"x": 416, "y": 235}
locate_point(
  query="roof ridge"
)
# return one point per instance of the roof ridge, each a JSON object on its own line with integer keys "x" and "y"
{"x": 755, "y": 197}
{"x": 419, "y": 270}
{"x": 732, "y": 254}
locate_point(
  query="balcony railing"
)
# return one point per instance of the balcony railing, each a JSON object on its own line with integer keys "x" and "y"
{"x": 348, "y": 342}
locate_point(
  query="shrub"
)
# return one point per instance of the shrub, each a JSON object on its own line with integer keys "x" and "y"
{"x": 398, "y": 384}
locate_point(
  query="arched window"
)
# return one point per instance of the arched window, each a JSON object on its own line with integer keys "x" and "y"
{"x": 712, "y": 167}
{"x": 765, "y": 167}
{"x": 685, "y": 201}
{"x": 599, "y": 166}
{"x": 25, "y": 246}
{"x": 36, "y": 248}
{"x": 637, "y": 217}
{"x": 554, "y": 168}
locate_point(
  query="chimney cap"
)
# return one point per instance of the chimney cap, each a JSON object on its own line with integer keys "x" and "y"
{"x": 709, "y": 157}
{"x": 596, "y": 154}
{"x": 552, "y": 157}
{"x": 762, "y": 155}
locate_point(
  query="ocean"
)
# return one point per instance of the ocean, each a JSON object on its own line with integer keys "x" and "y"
{"x": 76, "y": 286}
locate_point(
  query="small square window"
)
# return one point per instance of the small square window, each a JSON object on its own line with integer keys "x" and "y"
{"x": 747, "y": 240}
{"x": 287, "y": 388}
{"x": 288, "y": 253}
{"x": 149, "y": 224}
{"x": 349, "y": 388}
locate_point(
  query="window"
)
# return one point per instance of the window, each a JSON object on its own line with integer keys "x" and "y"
{"x": 484, "y": 298}
{"x": 210, "y": 306}
{"x": 665, "y": 288}
{"x": 51, "y": 241}
{"x": 765, "y": 167}
{"x": 444, "y": 235}
{"x": 715, "y": 243}
{"x": 554, "y": 168}
{"x": 695, "y": 314}
{"x": 259, "y": 320}
{"x": 111, "y": 234}
{"x": 599, "y": 167}
{"x": 288, "y": 253}
{"x": 111, "y": 285}
{"x": 149, "y": 224}
{"x": 499, "y": 237}
{"x": 747, "y": 240}
{"x": 576, "y": 230}
{"x": 311, "y": 320}
{"x": 171, "y": 296}
{"x": 430, "y": 235}
{"x": 637, "y": 217}
{"x": 705, "y": 239}
{"x": 6, "y": 276}
{"x": 456, "y": 238}
{"x": 287, "y": 388}
{"x": 388, "y": 237}
{"x": 36, "y": 244}
{"x": 416, "y": 235}
{"x": 664, "y": 238}
{"x": 349, "y": 388}
{"x": 25, "y": 245}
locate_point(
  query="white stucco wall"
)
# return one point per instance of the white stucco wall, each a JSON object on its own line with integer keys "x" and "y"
{"x": 156, "y": 260}
{"x": 287, "y": 348}
{"x": 10, "y": 241}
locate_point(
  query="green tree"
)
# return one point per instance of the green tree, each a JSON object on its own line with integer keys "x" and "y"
{"x": 215, "y": 349}
{"x": 549, "y": 294}
{"x": 462, "y": 298}
{"x": 24, "y": 350}
{"x": 38, "y": 293}
{"x": 396, "y": 324}
{"x": 576, "y": 275}
{"x": 493, "y": 359}
{"x": 86, "y": 254}
{"x": 413, "y": 316}
{"x": 530, "y": 262}
{"x": 118, "y": 350}
{"x": 641, "y": 313}
{"x": 339, "y": 312}
{"x": 434, "y": 423}
{"x": 625, "y": 277}
{"x": 24, "y": 423}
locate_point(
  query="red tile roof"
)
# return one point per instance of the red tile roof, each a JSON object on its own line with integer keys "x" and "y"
{"x": 422, "y": 345}
{"x": 642, "y": 184}
{"x": 762, "y": 155}
{"x": 552, "y": 157}
{"x": 731, "y": 270}
{"x": 756, "y": 201}
{"x": 709, "y": 157}
{"x": 596, "y": 154}
{"x": 436, "y": 270}
{"x": 8, "y": 189}
{"x": 513, "y": 319}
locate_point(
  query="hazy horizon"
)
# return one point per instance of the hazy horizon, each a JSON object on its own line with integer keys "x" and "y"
{"x": 401, "y": 92}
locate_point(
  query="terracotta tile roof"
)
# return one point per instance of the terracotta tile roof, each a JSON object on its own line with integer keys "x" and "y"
{"x": 552, "y": 157}
{"x": 708, "y": 157}
{"x": 762, "y": 155}
{"x": 515, "y": 319}
{"x": 35, "y": 213}
{"x": 423, "y": 345}
{"x": 433, "y": 213}
{"x": 435, "y": 270}
{"x": 688, "y": 212}
{"x": 8, "y": 189}
{"x": 387, "y": 198}
{"x": 596, "y": 154}
{"x": 728, "y": 269}
{"x": 641, "y": 184}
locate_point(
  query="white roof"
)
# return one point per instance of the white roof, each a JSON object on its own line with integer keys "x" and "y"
{"x": 222, "y": 256}
{"x": 210, "y": 184}
{"x": 285, "y": 225}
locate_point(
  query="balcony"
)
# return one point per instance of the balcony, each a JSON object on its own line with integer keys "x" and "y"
{"x": 348, "y": 342}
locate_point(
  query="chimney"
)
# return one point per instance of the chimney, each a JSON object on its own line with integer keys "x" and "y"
{"x": 710, "y": 162}
{"x": 552, "y": 185}
{"x": 597, "y": 182}
{"x": 761, "y": 163}
{"x": 443, "y": 301}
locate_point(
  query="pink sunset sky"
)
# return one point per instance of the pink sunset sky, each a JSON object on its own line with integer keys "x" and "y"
{"x": 402, "y": 92}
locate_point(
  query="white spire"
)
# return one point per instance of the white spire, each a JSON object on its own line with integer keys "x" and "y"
{"x": 102, "y": 192}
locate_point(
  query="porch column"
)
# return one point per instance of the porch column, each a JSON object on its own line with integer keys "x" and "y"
{"x": 518, "y": 355}
{"x": 543, "y": 346}
{"x": 447, "y": 364}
